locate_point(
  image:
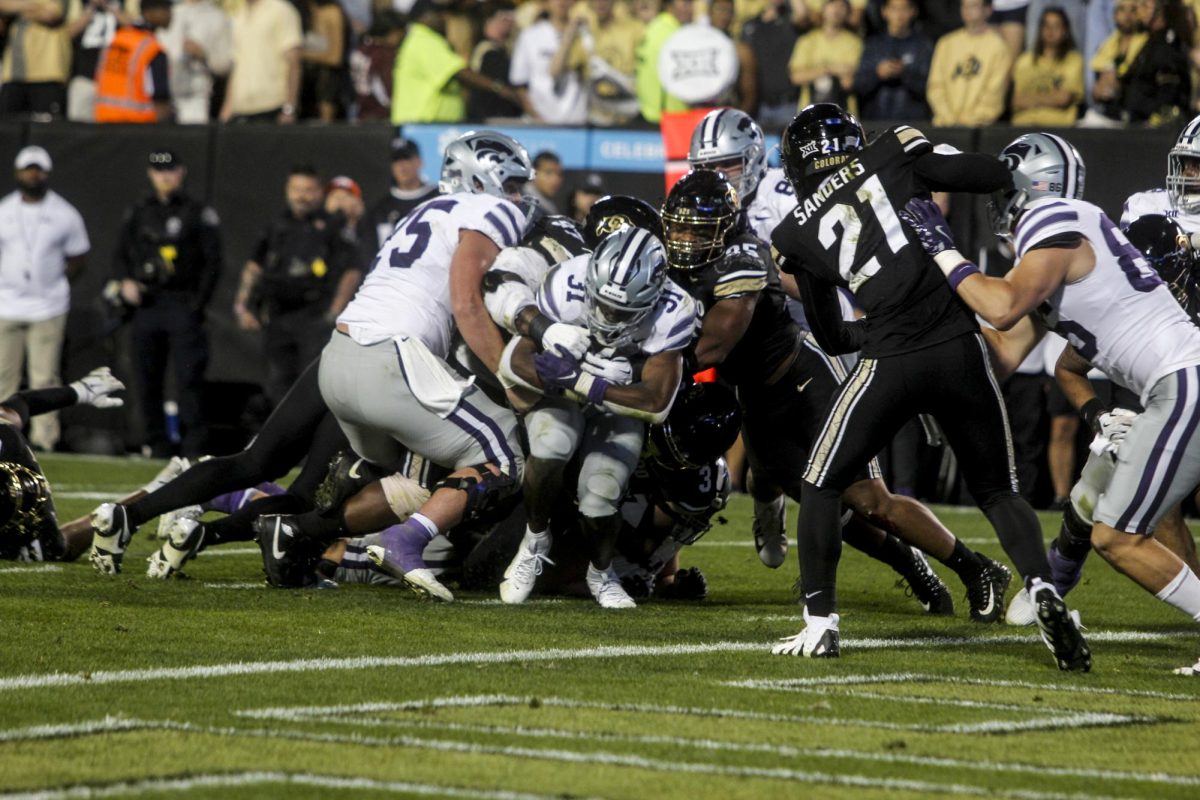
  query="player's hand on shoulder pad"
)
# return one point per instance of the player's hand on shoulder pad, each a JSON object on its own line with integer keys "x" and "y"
{"x": 571, "y": 338}
{"x": 926, "y": 219}
{"x": 615, "y": 370}
{"x": 96, "y": 389}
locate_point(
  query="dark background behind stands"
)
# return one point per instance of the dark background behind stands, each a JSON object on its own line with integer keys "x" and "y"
{"x": 241, "y": 170}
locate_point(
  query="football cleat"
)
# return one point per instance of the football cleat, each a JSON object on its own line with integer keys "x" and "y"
{"x": 1065, "y": 572}
{"x": 921, "y": 582}
{"x": 420, "y": 580}
{"x": 168, "y": 520}
{"x": 526, "y": 566}
{"x": 288, "y": 556}
{"x": 819, "y": 639}
{"x": 606, "y": 588}
{"x": 1020, "y": 610}
{"x": 770, "y": 531}
{"x": 174, "y": 468}
{"x": 1059, "y": 629}
{"x": 1192, "y": 671}
{"x": 347, "y": 475}
{"x": 110, "y": 536}
{"x": 183, "y": 542}
{"x": 985, "y": 592}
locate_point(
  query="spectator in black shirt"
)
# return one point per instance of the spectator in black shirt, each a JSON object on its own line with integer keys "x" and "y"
{"x": 168, "y": 259}
{"x": 408, "y": 191}
{"x": 772, "y": 31}
{"x": 894, "y": 68}
{"x": 298, "y": 279}
{"x": 1158, "y": 85}
{"x": 491, "y": 59}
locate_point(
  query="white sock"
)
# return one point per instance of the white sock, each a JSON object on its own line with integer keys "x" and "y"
{"x": 530, "y": 533}
{"x": 426, "y": 523}
{"x": 1183, "y": 592}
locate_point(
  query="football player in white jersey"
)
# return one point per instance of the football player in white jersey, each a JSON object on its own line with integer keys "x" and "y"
{"x": 638, "y": 323}
{"x": 384, "y": 373}
{"x": 1078, "y": 270}
{"x": 1181, "y": 197}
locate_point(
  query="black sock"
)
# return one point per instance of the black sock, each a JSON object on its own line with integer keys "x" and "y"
{"x": 964, "y": 561}
{"x": 890, "y": 550}
{"x": 1074, "y": 537}
{"x": 320, "y": 528}
{"x": 1020, "y": 534}
{"x": 820, "y": 548}
{"x": 239, "y": 526}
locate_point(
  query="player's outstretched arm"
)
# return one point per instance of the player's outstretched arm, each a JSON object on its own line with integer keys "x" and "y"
{"x": 962, "y": 172}
{"x": 834, "y": 335}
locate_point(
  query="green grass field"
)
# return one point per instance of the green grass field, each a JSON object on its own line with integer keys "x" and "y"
{"x": 218, "y": 687}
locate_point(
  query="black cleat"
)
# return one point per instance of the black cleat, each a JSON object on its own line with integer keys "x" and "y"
{"x": 985, "y": 592}
{"x": 289, "y": 558}
{"x": 921, "y": 582}
{"x": 1060, "y": 630}
{"x": 347, "y": 475}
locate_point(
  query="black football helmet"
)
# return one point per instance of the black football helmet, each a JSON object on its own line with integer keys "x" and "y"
{"x": 1169, "y": 251}
{"x": 702, "y": 212}
{"x": 703, "y": 424}
{"x": 820, "y": 138}
{"x": 24, "y": 495}
{"x": 616, "y": 211}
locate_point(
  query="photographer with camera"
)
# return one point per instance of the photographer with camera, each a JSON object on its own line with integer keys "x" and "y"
{"x": 168, "y": 259}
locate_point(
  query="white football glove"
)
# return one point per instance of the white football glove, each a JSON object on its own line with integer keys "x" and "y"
{"x": 96, "y": 388}
{"x": 616, "y": 370}
{"x": 571, "y": 338}
{"x": 506, "y": 301}
{"x": 1114, "y": 426}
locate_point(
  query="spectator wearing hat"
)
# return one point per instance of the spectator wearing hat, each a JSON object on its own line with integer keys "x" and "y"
{"x": 43, "y": 243}
{"x": 584, "y": 195}
{"x": 132, "y": 78}
{"x": 37, "y": 56}
{"x": 430, "y": 75}
{"x": 408, "y": 190}
{"x": 199, "y": 42}
{"x": 168, "y": 259}
{"x": 264, "y": 85}
{"x": 344, "y": 202}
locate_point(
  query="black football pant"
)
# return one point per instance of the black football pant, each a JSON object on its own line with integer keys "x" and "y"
{"x": 170, "y": 325}
{"x": 301, "y": 426}
{"x": 951, "y": 381}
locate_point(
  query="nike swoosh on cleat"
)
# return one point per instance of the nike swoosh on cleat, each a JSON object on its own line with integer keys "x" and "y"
{"x": 800, "y": 388}
{"x": 275, "y": 551}
{"x": 354, "y": 473}
{"x": 990, "y": 604}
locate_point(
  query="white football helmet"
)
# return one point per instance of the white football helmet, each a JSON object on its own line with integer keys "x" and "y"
{"x": 1183, "y": 170}
{"x": 1042, "y": 165}
{"x": 485, "y": 162}
{"x": 727, "y": 139}
{"x": 625, "y": 276}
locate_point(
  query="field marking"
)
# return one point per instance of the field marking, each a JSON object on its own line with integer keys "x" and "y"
{"x": 347, "y": 713}
{"x": 573, "y": 757}
{"x": 914, "y": 677}
{"x": 87, "y": 495}
{"x": 60, "y": 679}
{"x": 231, "y": 551}
{"x": 32, "y": 568}
{"x": 236, "y": 585}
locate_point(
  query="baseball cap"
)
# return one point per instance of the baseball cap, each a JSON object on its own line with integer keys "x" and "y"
{"x": 592, "y": 184}
{"x": 404, "y": 148}
{"x": 346, "y": 184}
{"x": 165, "y": 159}
{"x": 33, "y": 156}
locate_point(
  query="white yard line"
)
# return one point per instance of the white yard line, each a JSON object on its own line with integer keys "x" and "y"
{"x": 235, "y": 585}
{"x": 32, "y": 568}
{"x": 60, "y": 679}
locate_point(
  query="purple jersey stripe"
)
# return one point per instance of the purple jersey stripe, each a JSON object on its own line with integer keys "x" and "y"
{"x": 505, "y": 234}
{"x": 1041, "y": 224}
{"x": 502, "y": 440}
{"x": 1147, "y": 479}
{"x": 513, "y": 219}
{"x": 1187, "y": 378}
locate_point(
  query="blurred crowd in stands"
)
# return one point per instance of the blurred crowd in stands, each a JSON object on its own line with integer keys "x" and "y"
{"x": 596, "y": 62}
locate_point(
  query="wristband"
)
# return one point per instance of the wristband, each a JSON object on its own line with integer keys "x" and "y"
{"x": 961, "y": 273}
{"x": 591, "y": 387}
{"x": 949, "y": 260}
{"x": 538, "y": 327}
{"x": 1091, "y": 412}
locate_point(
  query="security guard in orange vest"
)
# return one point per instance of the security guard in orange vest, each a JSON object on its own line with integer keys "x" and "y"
{"x": 132, "y": 83}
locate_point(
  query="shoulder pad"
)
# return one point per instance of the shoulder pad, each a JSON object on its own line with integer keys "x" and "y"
{"x": 911, "y": 139}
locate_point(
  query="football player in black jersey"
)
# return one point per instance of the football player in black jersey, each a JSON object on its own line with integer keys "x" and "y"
{"x": 922, "y": 351}
{"x": 785, "y": 384}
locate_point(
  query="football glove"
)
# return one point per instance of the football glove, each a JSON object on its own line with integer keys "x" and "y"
{"x": 96, "y": 389}
{"x": 1114, "y": 427}
{"x": 616, "y": 370}
{"x": 925, "y": 218}
{"x": 571, "y": 338}
{"x": 560, "y": 371}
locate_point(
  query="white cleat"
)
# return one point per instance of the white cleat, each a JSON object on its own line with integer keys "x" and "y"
{"x": 606, "y": 588}
{"x": 169, "y": 519}
{"x": 770, "y": 531}
{"x": 819, "y": 639}
{"x": 526, "y": 566}
{"x": 1192, "y": 672}
{"x": 183, "y": 542}
{"x": 174, "y": 468}
{"x": 422, "y": 581}
{"x": 110, "y": 537}
{"x": 1020, "y": 610}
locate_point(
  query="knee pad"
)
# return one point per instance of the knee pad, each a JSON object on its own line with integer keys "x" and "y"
{"x": 404, "y": 495}
{"x": 484, "y": 493}
{"x": 601, "y": 495}
{"x": 1093, "y": 480}
{"x": 551, "y": 441}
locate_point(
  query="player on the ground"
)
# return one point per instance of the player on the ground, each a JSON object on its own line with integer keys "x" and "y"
{"x": 384, "y": 373}
{"x": 922, "y": 351}
{"x": 1089, "y": 284}
{"x": 638, "y": 323}
{"x": 785, "y": 384}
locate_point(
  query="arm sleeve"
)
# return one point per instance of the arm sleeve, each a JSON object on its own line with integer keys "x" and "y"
{"x": 824, "y": 314}
{"x": 41, "y": 401}
{"x": 962, "y": 172}
{"x": 123, "y": 257}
